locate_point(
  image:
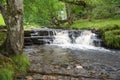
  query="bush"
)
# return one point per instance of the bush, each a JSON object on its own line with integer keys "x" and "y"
{"x": 22, "y": 62}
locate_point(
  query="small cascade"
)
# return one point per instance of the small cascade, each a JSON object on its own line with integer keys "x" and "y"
{"x": 62, "y": 37}
{"x": 79, "y": 37}
{"x": 86, "y": 38}
{"x": 69, "y": 38}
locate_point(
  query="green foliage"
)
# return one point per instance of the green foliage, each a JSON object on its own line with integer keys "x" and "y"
{"x": 6, "y": 74}
{"x": 6, "y": 68}
{"x": 97, "y": 24}
{"x": 22, "y": 62}
{"x": 112, "y": 38}
{"x": 110, "y": 28}
{"x": 11, "y": 65}
{"x": 106, "y": 9}
{"x": 2, "y": 21}
{"x": 41, "y": 11}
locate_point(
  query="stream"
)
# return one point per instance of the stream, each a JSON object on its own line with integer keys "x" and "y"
{"x": 71, "y": 55}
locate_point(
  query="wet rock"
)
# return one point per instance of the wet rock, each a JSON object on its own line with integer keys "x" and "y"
{"x": 29, "y": 77}
{"x": 79, "y": 67}
{"x": 68, "y": 67}
{"x": 37, "y": 77}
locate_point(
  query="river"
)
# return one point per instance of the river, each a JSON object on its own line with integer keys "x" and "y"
{"x": 73, "y": 55}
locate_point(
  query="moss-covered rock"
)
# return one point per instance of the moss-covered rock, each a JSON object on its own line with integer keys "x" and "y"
{"x": 110, "y": 28}
{"x": 111, "y": 36}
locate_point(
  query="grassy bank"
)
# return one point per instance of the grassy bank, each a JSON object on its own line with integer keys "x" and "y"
{"x": 10, "y": 67}
{"x": 111, "y": 36}
{"x": 86, "y": 24}
{"x": 109, "y": 28}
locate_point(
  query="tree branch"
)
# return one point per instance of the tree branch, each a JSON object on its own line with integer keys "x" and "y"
{"x": 79, "y": 3}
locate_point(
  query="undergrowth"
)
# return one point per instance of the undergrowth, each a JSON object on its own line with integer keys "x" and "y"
{"x": 10, "y": 66}
{"x": 111, "y": 36}
{"x": 21, "y": 61}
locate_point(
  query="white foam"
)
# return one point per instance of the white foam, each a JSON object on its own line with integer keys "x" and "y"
{"x": 80, "y": 47}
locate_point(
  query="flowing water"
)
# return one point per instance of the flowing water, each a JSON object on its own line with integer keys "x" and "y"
{"x": 77, "y": 52}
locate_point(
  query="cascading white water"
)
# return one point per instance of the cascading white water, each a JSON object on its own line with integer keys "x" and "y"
{"x": 74, "y": 39}
{"x": 83, "y": 39}
{"x": 86, "y": 38}
{"x": 61, "y": 37}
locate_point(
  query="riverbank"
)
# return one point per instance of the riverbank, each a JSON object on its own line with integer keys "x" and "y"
{"x": 105, "y": 27}
{"x": 94, "y": 24}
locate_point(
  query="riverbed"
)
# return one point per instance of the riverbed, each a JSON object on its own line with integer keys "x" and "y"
{"x": 57, "y": 62}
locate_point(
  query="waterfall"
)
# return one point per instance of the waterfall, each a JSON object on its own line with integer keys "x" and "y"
{"x": 66, "y": 38}
{"x": 61, "y": 37}
{"x": 79, "y": 37}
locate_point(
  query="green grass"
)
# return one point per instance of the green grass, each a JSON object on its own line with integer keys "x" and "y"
{"x": 112, "y": 38}
{"x": 2, "y": 21}
{"x": 109, "y": 28}
{"x": 86, "y": 24}
{"x": 11, "y": 66}
{"x": 22, "y": 62}
{"x": 6, "y": 68}
{"x": 6, "y": 74}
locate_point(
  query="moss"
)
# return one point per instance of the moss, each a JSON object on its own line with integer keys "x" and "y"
{"x": 110, "y": 28}
{"x": 112, "y": 38}
{"x": 1, "y": 20}
{"x": 111, "y": 35}
{"x": 22, "y": 62}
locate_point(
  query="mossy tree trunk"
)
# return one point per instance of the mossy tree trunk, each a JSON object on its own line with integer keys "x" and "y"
{"x": 14, "y": 22}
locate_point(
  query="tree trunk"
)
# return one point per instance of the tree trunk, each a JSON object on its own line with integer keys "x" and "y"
{"x": 68, "y": 11}
{"x": 14, "y": 22}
